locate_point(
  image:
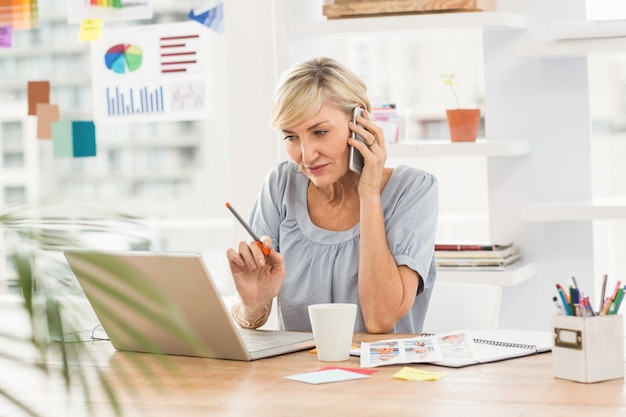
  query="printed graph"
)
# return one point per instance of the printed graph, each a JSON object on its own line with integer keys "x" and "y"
{"x": 153, "y": 73}
{"x": 178, "y": 53}
{"x": 123, "y": 58}
{"x": 105, "y": 3}
{"x": 106, "y": 10}
{"x": 19, "y": 14}
{"x": 187, "y": 96}
{"x": 134, "y": 100}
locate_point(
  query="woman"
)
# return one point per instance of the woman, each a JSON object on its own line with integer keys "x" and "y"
{"x": 335, "y": 235}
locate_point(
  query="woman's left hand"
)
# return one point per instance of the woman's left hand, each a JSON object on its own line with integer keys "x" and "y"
{"x": 374, "y": 153}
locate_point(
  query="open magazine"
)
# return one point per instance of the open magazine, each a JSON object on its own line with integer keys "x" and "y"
{"x": 455, "y": 349}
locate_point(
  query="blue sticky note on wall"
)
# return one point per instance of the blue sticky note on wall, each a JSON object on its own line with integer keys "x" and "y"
{"x": 84, "y": 139}
{"x": 73, "y": 139}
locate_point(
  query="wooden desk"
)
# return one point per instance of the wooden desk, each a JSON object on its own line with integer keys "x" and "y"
{"x": 206, "y": 387}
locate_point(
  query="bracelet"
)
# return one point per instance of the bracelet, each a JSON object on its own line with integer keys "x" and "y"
{"x": 245, "y": 323}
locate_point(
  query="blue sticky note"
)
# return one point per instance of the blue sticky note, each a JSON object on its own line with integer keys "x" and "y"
{"x": 62, "y": 139}
{"x": 84, "y": 139}
{"x": 73, "y": 139}
{"x": 330, "y": 375}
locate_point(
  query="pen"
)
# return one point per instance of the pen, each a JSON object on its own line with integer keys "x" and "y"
{"x": 618, "y": 301}
{"x": 602, "y": 294}
{"x": 609, "y": 300}
{"x": 245, "y": 226}
{"x": 589, "y": 306}
{"x": 575, "y": 301}
{"x": 564, "y": 300}
{"x": 560, "y": 288}
{"x": 557, "y": 306}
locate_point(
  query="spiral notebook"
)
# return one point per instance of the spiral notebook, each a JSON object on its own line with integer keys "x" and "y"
{"x": 455, "y": 349}
{"x": 494, "y": 345}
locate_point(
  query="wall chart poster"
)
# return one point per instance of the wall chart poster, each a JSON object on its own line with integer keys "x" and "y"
{"x": 19, "y": 14}
{"x": 79, "y": 10}
{"x": 151, "y": 73}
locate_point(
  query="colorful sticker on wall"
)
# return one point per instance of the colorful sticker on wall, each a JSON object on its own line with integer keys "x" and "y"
{"x": 19, "y": 14}
{"x": 6, "y": 36}
{"x": 38, "y": 92}
{"x": 46, "y": 115}
{"x": 73, "y": 139}
{"x": 79, "y": 10}
{"x": 210, "y": 13}
{"x": 153, "y": 73}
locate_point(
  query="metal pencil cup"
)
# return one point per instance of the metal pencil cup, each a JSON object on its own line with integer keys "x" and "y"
{"x": 588, "y": 349}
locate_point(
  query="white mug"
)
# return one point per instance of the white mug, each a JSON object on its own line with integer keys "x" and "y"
{"x": 333, "y": 330}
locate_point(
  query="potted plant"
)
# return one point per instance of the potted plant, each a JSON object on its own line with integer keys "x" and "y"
{"x": 462, "y": 123}
{"x": 32, "y": 237}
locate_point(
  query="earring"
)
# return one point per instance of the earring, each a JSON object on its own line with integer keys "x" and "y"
{"x": 294, "y": 167}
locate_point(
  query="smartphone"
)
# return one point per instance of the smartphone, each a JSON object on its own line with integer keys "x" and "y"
{"x": 356, "y": 159}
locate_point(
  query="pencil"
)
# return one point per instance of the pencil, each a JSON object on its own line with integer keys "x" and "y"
{"x": 248, "y": 229}
{"x": 602, "y": 293}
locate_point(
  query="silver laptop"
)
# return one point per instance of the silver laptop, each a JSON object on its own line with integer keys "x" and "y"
{"x": 168, "y": 303}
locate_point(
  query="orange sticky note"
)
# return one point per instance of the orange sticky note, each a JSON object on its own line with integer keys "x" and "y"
{"x": 46, "y": 114}
{"x": 38, "y": 92}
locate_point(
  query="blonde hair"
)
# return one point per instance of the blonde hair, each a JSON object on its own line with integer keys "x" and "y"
{"x": 306, "y": 87}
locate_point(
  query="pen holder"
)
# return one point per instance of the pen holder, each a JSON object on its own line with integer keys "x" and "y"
{"x": 588, "y": 349}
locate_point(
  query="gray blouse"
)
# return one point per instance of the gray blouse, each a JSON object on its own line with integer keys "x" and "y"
{"x": 322, "y": 265}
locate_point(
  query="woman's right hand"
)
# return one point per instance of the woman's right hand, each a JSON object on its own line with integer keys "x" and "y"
{"x": 258, "y": 277}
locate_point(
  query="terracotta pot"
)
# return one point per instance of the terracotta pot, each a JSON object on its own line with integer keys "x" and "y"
{"x": 463, "y": 124}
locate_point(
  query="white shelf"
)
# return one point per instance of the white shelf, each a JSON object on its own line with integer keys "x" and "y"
{"x": 583, "y": 29}
{"x": 575, "y": 211}
{"x": 482, "y": 147}
{"x": 513, "y": 275}
{"x": 578, "y": 37}
{"x": 571, "y": 47}
{"x": 496, "y": 20}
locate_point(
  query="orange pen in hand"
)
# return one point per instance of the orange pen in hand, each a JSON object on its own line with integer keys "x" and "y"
{"x": 245, "y": 225}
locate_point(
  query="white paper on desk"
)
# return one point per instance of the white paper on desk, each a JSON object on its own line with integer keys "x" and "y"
{"x": 452, "y": 346}
{"x": 457, "y": 348}
{"x": 330, "y": 375}
{"x": 421, "y": 349}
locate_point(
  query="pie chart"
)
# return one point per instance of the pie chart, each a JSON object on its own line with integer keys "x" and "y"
{"x": 123, "y": 58}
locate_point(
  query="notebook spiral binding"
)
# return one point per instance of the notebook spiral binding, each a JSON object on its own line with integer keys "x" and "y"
{"x": 495, "y": 343}
{"x": 506, "y": 344}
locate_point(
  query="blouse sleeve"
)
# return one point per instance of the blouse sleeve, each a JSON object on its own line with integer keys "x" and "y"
{"x": 412, "y": 222}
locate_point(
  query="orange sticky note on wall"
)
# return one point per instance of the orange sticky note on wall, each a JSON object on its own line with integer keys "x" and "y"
{"x": 38, "y": 92}
{"x": 46, "y": 114}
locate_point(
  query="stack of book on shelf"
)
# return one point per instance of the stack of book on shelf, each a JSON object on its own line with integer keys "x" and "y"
{"x": 476, "y": 256}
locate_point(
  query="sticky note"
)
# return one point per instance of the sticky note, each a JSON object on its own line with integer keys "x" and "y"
{"x": 6, "y": 36}
{"x": 357, "y": 370}
{"x": 46, "y": 114}
{"x": 90, "y": 30}
{"x": 411, "y": 374}
{"x": 38, "y": 92}
{"x": 73, "y": 139}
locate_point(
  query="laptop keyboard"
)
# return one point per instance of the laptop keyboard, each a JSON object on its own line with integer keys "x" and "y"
{"x": 256, "y": 340}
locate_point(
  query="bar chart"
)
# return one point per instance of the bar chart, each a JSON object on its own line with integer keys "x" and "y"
{"x": 131, "y": 100}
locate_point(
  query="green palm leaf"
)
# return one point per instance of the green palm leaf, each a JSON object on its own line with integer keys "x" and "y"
{"x": 36, "y": 235}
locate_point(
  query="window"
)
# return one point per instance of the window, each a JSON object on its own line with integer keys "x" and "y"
{"x": 14, "y": 194}
{"x": 13, "y": 160}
